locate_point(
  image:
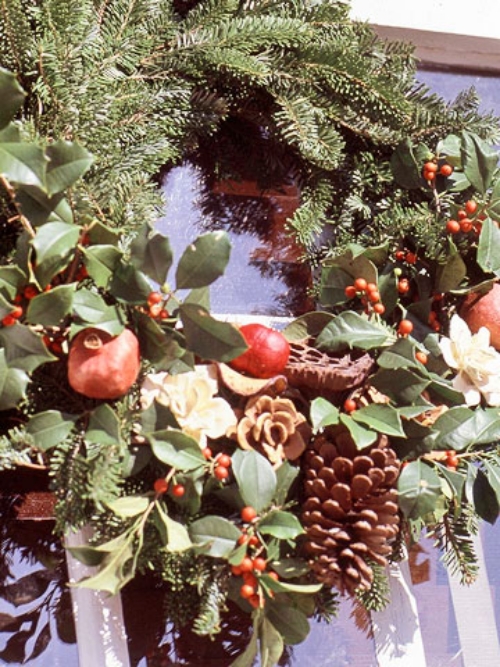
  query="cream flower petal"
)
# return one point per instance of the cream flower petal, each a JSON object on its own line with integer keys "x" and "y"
{"x": 462, "y": 383}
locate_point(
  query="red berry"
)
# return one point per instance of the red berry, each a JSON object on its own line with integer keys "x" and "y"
{"x": 243, "y": 539}
{"x": 163, "y": 314}
{"x": 411, "y": 258}
{"x": 471, "y": 207}
{"x": 247, "y": 591}
{"x": 236, "y": 570}
{"x": 350, "y": 405}
{"x": 30, "y": 292}
{"x": 431, "y": 167}
{"x": 405, "y": 327}
{"x": 246, "y": 565}
{"x": 221, "y": 473}
{"x": 259, "y": 564}
{"x": 9, "y": 320}
{"x": 207, "y": 453}
{"x": 350, "y": 291}
{"x": 466, "y": 225}
{"x": 17, "y": 312}
{"x": 360, "y": 284}
{"x": 248, "y": 514}
{"x": 399, "y": 255}
{"x": 446, "y": 170}
{"x": 452, "y": 226}
{"x": 379, "y": 308}
{"x": 253, "y": 541}
{"x": 273, "y": 575}
{"x": 429, "y": 175}
{"x": 154, "y": 298}
{"x": 178, "y": 490}
{"x": 403, "y": 286}
{"x": 461, "y": 214}
{"x": 254, "y": 601}
{"x": 421, "y": 356}
{"x": 224, "y": 460}
{"x": 374, "y": 296}
{"x": 155, "y": 310}
{"x": 160, "y": 486}
{"x": 250, "y": 579}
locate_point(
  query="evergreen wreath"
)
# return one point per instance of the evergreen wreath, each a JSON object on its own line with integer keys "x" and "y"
{"x": 233, "y": 480}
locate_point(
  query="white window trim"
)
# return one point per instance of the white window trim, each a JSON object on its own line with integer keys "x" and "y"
{"x": 445, "y": 33}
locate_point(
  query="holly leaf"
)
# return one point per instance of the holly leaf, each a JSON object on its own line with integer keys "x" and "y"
{"x": 50, "y": 308}
{"x": 450, "y": 274}
{"x": 203, "y": 261}
{"x": 362, "y": 436}
{"x": 54, "y": 243}
{"x": 68, "y": 161}
{"x": 151, "y": 253}
{"x": 282, "y": 525}
{"x": 290, "y": 622}
{"x": 381, "y": 418}
{"x": 127, "y": 507}
{"x": 49, "y": 428}
{"x": 103, "y": 426}
{"x": 209, "y": 338}
{"x": 23, "y": 163}
{"x": 129, "y": 285}
{"x": 176, "y": 449}
{"x": 13, "y": 384}
{"x": 352, "y": 330}
{"x": 399, "y": 355}
{"x": 11, "y": 279}
{"x": 12, "y": 96}
{"x": 216, "y": 534}
{"x": 271, "y": 643}
{"x": 323, "y": 413}
{"x": 405, "y": 168}
{"x": 479, "y": 160}
{"x": 24, "y": 349}
{"x": 161, "y": 347}
{"x": 402, "y": 385}
{"x": 174, "y": 534}
{"x": 255, "y": 477}
{"x": 307, "y": 325}
{"x": 419, "y": 488}
{"x": 488, "y": 249}
{"x": 101, "y": 262}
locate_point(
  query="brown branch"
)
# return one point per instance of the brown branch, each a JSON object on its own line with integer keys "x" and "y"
{"x": 25, "y": 223}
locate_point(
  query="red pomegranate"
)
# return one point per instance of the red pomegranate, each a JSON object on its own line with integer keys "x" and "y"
{"x": 267, "y": 354}
{"x": 483, "y": 310}
{"x": 103, "y": 366}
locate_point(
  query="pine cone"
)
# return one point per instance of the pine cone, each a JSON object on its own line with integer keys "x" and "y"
{"x": 274, "y": 427}
{"x": 350, "y": 514}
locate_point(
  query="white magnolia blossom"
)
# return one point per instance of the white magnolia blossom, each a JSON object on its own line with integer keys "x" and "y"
{"x": 191, "y": 399}
{"x": 477, "y": 363}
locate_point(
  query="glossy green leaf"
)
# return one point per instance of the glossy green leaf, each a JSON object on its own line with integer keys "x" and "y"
{"x": 290, "y": 622}
{"x": 282, "y": 525}
{"x": 68, "y": 161}
{"x": 479, "y": 160}
{"x": 176, "y": 535}
{"x": 103, "y": 426}
{"x": 381, "y": 418}
{"x": 402, "y": 385}
{"x": 50, "y": 308}
{"x": 160, "y": 347}
{"x": 256, "y": 478}
{"x": 323, "y": 413}
{"x": 24, "y": 348}
{"x": 90, "y": 309}
{"x": 454, "y": 428}
{"x": 271, "y": 643}
{"x": 200, "y": 297}
{"x": 352, "y": 330}
{"x": 11, "y": 279}
{"x": 399, "y": 355}
{"x": 209, "y": 338}
{"x": 363, "y": 437}
{"x": 451, "y": 273}
{"x": 216, "y": 533}
{"x": 286, "y": 587}
{"x": 13, "y": 384}
{"x": 39, "y": 208}
{"x": 405, "y": 169}
{"x": 101, "y": 262}
{"x": 203, "y": 261}
{"x": 129, "y": 506}
{"x": 23, "y": 163}
{"x": 129, "y": 285}
{"x": 151, "y": 253}
{"x": 116, "y": 569}
{"x": 450, "y": 147}
{"x": 176, "y": 449}
{"x": 54, "y": 244}
{"x": 419, "y": 488}
{"x": 307, "y": 325}
{"x": 484, "y": 497}
{"x": 12, "y": 96}
{"x": 488, "y": 250}
{"x": 49, "y": 428}
{"x": 332, "y": 286}
{"x": 286, "y": 474}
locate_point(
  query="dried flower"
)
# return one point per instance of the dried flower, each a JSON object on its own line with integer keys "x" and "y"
{"x": 191, "y": 399}
{"x": 274, "y": 427}
{"x": 477, "y": 363}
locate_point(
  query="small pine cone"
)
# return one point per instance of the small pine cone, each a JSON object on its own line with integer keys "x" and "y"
{"x": 350, "y": 514}
{"x": 274, "y": 427}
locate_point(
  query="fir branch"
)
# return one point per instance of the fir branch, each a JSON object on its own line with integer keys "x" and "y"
{"x": 453, "y": 536}
{"x": 378, "y": 596}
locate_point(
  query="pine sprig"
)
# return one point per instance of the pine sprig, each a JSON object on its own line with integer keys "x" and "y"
{"x": 453, "y": 536}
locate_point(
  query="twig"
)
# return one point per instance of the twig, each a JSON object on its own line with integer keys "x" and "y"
{"x": 26, "y": 224}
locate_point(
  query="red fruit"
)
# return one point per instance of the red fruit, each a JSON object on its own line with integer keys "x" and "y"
{"x": 259, "y": 564}
{"x": 429, "y": 175}
{"x": 246, "y": 565}
{"x": 379, "y": 308}
{"x": 461, "y": 214}
{"x": 431, "y": 167}
{"x": 160, "y": 486}
{"x": 466, "y": 225}
{"x": 405, "y": 327}
{"x": 453, "y": 226}
{"x": 350, "y": 405}
{"x": 247, "y": 591}
{"x": 248, "y": 514}
{"x": 103, "y": 366}
{"x": 421, "y": 356}
{"x": 154, "y": 298}
{"x": 360, "y": 284}
{"x": 221, "y": 473}
{"x": 273, "y": 575}
{"x": 207, "y": 453}
{"x": 9, "y": 320}
{"x": 411, "y": 258}
{"x": 350, "y": 291}
{"x": 178, "y": 490}
{"x": 399, "y": 255}
{"x": 446, "y": 170}
{"x": 255, "y": 601}
{"x": 30, "y": 292}
{"x": 483, "y": 310}
{"x": 224, "y": 460}
{"x": 403, "y": 286}
{"x": 267, "y": 354}
{"x": 470, "y": 207}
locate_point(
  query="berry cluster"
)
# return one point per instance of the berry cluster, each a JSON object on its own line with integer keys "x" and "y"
{"x": 156, "y": 306}
{"x": 467, "y": 220}
{"x": 367, "y": 293}
{"x": 433, "y": 167}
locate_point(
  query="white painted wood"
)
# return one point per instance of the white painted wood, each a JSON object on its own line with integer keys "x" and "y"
{"x": 396, "y": 629}
{"x": 475, "y": 616}
{"x": 100, "y": 630}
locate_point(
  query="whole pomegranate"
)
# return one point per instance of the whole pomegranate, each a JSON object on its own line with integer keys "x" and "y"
{"x": 103, "y": 366}
{"x": 267, "y": 354}
{"x": 483, "y": 310}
